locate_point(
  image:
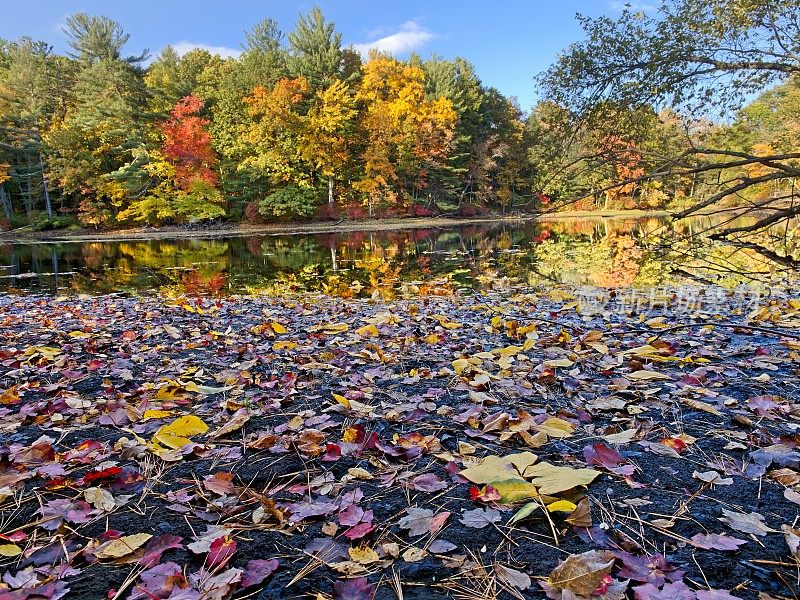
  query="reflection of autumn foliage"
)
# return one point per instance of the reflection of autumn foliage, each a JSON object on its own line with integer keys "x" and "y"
{"x": 419, "y": 235}
{"x": 253, "y": 245}
{"x": 194, "y": 284}
{"x": 625, "y": 262}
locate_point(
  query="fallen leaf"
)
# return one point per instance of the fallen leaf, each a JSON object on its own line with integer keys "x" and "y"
{"x": 99, "y": 498}
{"x": 122, "y": 546}
{"x": 746, "y": 522}
{"x": 234, "y": 423}
{"x": 353, "y": 589}
{"x": 715, "y": 541}
{"x": 551, "y": 479}
{"x": 478, "y": 518}
{"x": 10, "y": 550}
{"x": 512, "y": 577}
{"x": 582, "y": 574}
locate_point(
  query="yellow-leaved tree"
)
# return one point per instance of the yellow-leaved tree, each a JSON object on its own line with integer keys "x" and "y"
{"x": 404, "y": 132}
{"x": 329, "y": 123}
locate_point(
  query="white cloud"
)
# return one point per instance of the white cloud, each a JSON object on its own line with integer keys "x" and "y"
{"x": 183, "y": 47}
{"x": 620, "y": 5}
{"x": 410, "y": 37}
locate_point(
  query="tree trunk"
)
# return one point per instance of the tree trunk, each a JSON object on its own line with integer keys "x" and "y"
{"x": 48, "y": 205}
{"x": 330, "y": 189}
{"x": 5, "y": 199}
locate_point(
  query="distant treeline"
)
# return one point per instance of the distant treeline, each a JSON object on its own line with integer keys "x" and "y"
{"x": 299, "y": 126}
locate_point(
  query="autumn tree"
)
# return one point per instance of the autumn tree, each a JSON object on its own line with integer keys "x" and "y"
{"x": 277, "y": 123}
{"x": 327, "y": 127}
{"x": 405, "y": 134}
{"x": 187, "y": 144}
{"x": 696, "y": 56}
{"x": 180, "y": 179}
{"x": 104, "y": 122}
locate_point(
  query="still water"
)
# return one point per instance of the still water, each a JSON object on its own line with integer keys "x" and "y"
{"x": 607, "y": 253}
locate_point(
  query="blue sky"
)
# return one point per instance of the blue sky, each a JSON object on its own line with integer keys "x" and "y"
{"x": 508, "y": 41}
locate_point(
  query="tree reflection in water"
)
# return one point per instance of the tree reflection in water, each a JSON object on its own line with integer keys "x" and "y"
{"x": 606, "y": 253}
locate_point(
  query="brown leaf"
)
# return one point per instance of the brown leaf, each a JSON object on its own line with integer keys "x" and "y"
{"x": 582, "y": 515}
{"x": 220, "y": 483}
{"x": 237, "y": 420}
{"x": 582, "y": 574}
{"x": 512, "y": 577}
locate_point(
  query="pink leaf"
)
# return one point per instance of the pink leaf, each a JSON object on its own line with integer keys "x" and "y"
{"x": 220, "y": 550}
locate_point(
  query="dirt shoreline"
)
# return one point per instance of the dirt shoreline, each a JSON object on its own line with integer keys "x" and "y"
{"x": 28, "y": 236}
{"x": 324, "y": 442}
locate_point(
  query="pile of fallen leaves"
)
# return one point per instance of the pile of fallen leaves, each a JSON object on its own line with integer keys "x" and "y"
{"x": 477, "y": 446}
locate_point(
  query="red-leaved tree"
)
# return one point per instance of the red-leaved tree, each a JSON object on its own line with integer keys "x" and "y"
{"x": 187, "y": 144}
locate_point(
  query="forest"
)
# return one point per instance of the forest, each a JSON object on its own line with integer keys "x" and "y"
{"x": 301, "y": 127}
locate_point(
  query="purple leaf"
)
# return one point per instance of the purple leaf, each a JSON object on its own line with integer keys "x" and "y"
{"x": 350, "y": 516}
{"x": 257, "y": 571}
{"x": 358, "y": 531}
{"x": 479, "y": 518}
{"x": 428, "y": 483}
{"x": 441, "y": 547}
{"x": 157, "y": 546}
{"x": 676, "y": 590}
{"x": 715, "y": 595}
{"x": 353, "y": 589}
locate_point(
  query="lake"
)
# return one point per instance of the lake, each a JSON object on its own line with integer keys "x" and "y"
{"x": 604, "y": 253}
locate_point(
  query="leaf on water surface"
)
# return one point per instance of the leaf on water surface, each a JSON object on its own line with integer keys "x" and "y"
{"x": 582, "y": 574}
